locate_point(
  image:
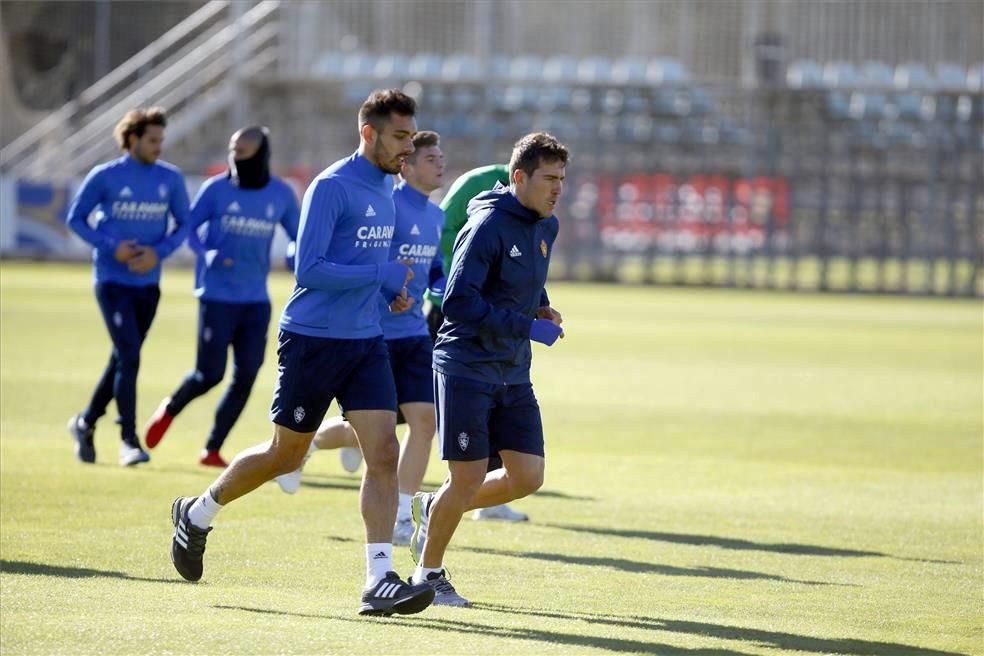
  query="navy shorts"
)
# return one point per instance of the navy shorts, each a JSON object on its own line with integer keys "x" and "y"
{"x": 476, "y": 419}
{"x": 410, "y": 358}
{"x": 313, "y": 371}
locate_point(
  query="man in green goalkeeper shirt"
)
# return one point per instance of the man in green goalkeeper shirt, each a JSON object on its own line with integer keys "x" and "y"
{"x": 455, "y": 206}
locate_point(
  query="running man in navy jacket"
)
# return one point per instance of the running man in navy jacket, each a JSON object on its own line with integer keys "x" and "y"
{"x": 331, "y": 346}
{"x": 494, "y": 305}
{"x": 240, "y": 210}
{"x": 134, "y": 196}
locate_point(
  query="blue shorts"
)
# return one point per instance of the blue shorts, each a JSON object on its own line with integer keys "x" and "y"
{"x": 476, "y": 419}
{"x": 244, "y": 326}
{"x": 313, "y": 371}
{"x": 410, "y": 358}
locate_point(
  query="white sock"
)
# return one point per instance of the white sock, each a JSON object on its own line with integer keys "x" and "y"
{"x": 420, "y": 574}
{"x": 202, "y": 513}
{"x": 379, "y": 560}
{"x": 403, "y": 510}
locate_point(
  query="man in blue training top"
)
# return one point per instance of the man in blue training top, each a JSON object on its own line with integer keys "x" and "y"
{"x": 331, "y": 346}
{"x": 135, "y": 194}
{"x": 494, "y": 305}
{"x": 240, "y": 210}
{"x": 418, "y": 230}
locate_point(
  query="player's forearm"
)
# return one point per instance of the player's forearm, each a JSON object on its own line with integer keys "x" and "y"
{"x": 329, "y": 276}
{"x": 95, "y": 238}
{"x": 174, "y": 240}
{"x": 475, "y": 310}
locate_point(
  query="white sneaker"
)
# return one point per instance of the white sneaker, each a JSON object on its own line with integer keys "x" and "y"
{"x": 291, "y": 483}
{"x": 403, "y": 531}
{"x": 420, "y": 511}
{"x": 351, "y": 458}
{"x": 502, "y": 512}
{"x": 132, "y": 455}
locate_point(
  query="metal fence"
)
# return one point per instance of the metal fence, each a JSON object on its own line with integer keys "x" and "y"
{"x": 767, "y": 144}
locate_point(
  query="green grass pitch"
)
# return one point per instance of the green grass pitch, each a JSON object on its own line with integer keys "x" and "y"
{"x": 727, "y": 473}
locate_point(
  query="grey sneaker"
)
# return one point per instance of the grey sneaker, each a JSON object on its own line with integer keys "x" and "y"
{"x": 502, "y": 511}
{"x": 85, "y": 450}
{"x": 403, "y": 531}
{"x": 131, "y": 454}
{"x": 420, "y": 512}
{"x": 444, "y": 592}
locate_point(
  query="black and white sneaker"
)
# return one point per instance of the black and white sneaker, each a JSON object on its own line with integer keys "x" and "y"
{"x": 85, "y": 450}
{"x": 393, "y": 595}
{"x": 188, "y": 543}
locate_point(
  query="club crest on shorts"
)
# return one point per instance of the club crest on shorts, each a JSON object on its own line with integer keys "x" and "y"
{"x": 463, "y": 441}
{"x": 298, "y": 414}
{"x": 543, "y": 247}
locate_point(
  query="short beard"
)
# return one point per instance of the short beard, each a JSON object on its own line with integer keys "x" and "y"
{"x": 378, "y": 153}
{"x": 141, "y": 158}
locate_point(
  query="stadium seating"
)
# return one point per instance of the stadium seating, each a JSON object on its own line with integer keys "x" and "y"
{"x": 636, "y": 100}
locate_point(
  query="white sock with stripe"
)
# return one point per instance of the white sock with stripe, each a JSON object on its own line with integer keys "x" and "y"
{"x": 203, "y": 511}
{"x": 379, "y": 560}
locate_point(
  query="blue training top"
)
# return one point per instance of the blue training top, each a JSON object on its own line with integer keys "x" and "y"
{"x": 417, "y": 237}
{"x": 347, "y": 220}
{"x": 495, "y": 286}
{"x": 134, "y": 200}
{"x": 238, "y": 226}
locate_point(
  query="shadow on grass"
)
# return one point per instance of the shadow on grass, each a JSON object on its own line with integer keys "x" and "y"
{"x": 638, "y": 567}
{"x": 326, "y": 484}
{"x": 40, "y": 569}
{"x": 333, "y": 482}
{"x": 773, "y": 639}
{"x": 516, "y": 633}
{"x": 553, "y": 494}
{"x": 740, "y": 545}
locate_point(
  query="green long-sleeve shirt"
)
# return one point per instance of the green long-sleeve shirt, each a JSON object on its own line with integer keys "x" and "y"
{"x": 455, "y": 203}
{"x": 455, "y": 206}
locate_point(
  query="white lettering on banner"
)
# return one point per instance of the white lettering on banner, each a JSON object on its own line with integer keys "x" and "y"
{"x": 248, "y": 226}
{"x": 131, "y": 210}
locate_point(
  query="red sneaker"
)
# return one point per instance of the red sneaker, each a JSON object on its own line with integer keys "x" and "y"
{"x": 212, "y": 459}
{"x": 157, "y": 425}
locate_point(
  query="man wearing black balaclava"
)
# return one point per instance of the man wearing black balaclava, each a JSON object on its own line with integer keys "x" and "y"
{"x": 249, "y": 158}
{"x": 235, "y": 214}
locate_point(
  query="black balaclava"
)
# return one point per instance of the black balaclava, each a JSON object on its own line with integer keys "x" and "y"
{"x": 253, "y": 172}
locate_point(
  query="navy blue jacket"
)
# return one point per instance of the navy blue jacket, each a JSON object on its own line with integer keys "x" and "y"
{"x": 495, "y": 286}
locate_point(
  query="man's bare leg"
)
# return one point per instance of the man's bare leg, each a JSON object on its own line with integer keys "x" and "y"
{"x": 192, "y": 516}
{"x": 335, "y": 433}
{"x": 414, "y": 455}
{"x": 376, "y": 431}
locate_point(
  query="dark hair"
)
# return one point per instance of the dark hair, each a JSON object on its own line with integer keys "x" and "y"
{"x": 423, "y": 139}
{"x": 381, "y": 103}
{"x": 533, "y": 150}
{"x": 135, "y": 122}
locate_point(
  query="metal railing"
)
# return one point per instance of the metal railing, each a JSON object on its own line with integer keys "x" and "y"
{"x": 190, "y": 71}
